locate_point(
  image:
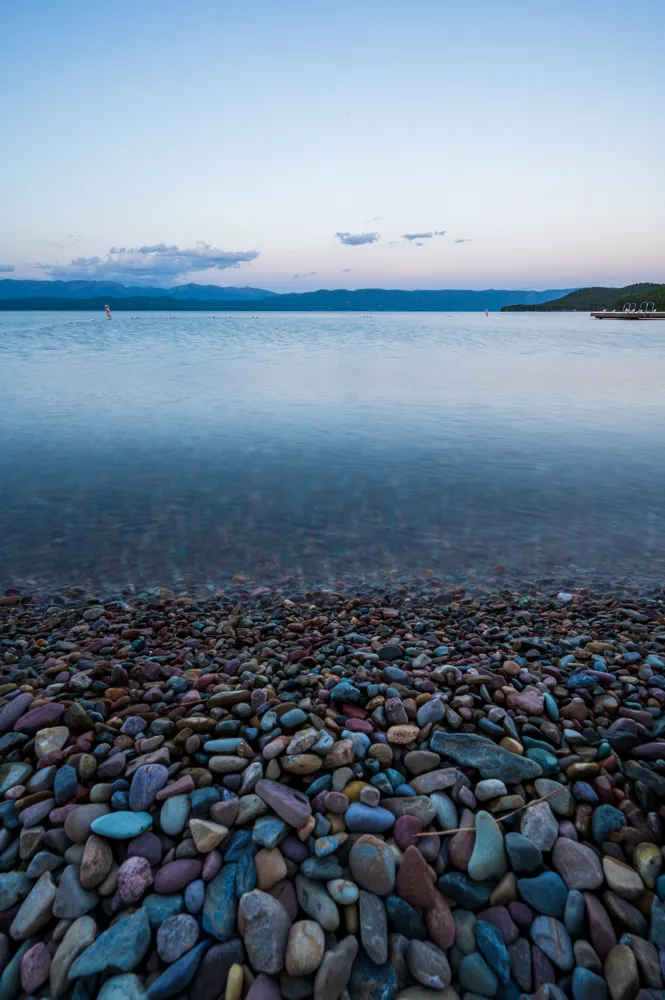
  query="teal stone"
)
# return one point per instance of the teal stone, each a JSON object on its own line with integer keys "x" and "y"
{"x": 159, "y": 907}
{"x": 546, "y": 893}
{"x": 469, "y": 894}
{"x": 174, "y": 814}
{"x": 405, "y": 919}
{"x": 476, "y": 976}
{"x": 604, "y": 750}
{"x": 490, "y": 760}
{"x": 127, "y": 987}
{"x": 554, "y": 941}
{"x": 321, "y": 784}
{"x": 85, "y": 988}
{"x": 588, "y": 986}
{"x": 14, "y": 886}
{"x": 573, "y": 915}
{"x": 179, "y": 975}
{"x": 606, "y": 820}
{"x": 322, "y": 868}
{"x": 269, "y": 831}
{"x": 219, "y": 907}
{"x": 292, "y": 719}
{"x": 10, "y": 978}
{"x": 245, "y": 875}
{"x": 493, "y": 949}
{"x": 119, "y": 949}
{"x": 13, "y": 774}
{"x": 121, "y": 825}
{"x": 370, "y": 981}
{"x": 551, "y": 707}
{"x": 201, "y": 799}
{"x": 331, "y": 843}
{"x": 227, "y": 746}
{"x": 548, "y": 763}
{"x": 488, "y": 860}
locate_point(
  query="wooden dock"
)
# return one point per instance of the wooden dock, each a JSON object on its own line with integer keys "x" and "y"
{"x": 628, "y": 315}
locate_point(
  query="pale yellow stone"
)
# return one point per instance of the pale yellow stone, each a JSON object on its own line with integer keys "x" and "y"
{"x": 234, "y": 983}
{"x": 206, "y": 834}
{"x": 48, "y": 740}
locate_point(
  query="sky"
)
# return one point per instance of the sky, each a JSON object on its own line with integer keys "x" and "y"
{"x": 293, "y": 145}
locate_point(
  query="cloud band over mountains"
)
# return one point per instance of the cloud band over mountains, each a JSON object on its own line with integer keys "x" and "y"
{"x": 150, "y": 263}
{"x": 356, "y": 239}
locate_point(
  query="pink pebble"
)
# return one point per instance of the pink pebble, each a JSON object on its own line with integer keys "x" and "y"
{"x": 35, "y": 967}
{"x": 134, "y": 877}
{"x": 212, "y": 865}
{"x": 16, "y": 792}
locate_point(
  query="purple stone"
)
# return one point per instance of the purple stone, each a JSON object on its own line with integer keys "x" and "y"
{"x": 148, "y": 846}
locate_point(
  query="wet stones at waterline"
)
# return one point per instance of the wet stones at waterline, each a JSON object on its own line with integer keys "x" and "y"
{"x": 268, "y": 793}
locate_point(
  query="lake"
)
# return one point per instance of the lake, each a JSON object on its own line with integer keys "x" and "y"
{"x": 176, "y": 451}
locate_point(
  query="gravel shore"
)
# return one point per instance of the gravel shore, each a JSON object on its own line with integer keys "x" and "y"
{"x": 262, "y": 793}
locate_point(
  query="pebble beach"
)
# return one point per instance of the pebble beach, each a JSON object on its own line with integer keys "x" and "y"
{"x": 403, "y": 793}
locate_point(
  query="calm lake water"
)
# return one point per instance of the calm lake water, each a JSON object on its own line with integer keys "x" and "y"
{"x": 159, "y": 450}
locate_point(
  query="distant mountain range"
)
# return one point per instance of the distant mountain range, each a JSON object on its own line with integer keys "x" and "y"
{"x": 94, "y": 295}
{"x": 595, "y": 299}
{"x": 11, "y": 288}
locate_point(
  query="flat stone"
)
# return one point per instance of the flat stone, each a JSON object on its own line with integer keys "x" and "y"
{"x": 577, "y": 864}
{"x": 476, "y": 976}
{"x": 290, "y": 805}
{"x": 546, "y": 893}
{"x": 264, "y": 925}
{"x": 118, "y": 949}
{"x": 373, "y": 927}
{"x": 554, "y": 941}
{"x": 35, "y": 966}
{"x": 178, "y": 976}
{"x": 540, "y": 826}
{"x": 621, "y": 974}
{"x": 96, "y": 863}
{"x": 413, "y": 882}
{"x": 491, "y": 945}
{"x": 121, "y": 825}
{"x": 206, "y": 834}
{"x": 71, "y": 899}
{"x": 428, "y": 964}
{"x": 316, "y": 903}
{"x": 126, "y": 987}
{"x": 523, "y": 854}
{"x": 305, "y": 948}
{"x": 146, "y": 781}
{"x": 586, "y": 985}
{"x": 360, "y": 818}
{"x": 35, "y": 910}
{"x": 219, "y": 907}
{"x": 490, "y": 760}
{"x": 601, "y": 931}
{"x": 488, "y": 860}
{"x": 176, "y": 876}
{"x": 622, "y": 879}
{"x": 372, "y": 865}
{"x": 175, "y": 936}
{"x": 134, "y": 879}
{"x": 335, "y": 970}
{"x": 79, "y": 936}
{"x": 14, "y": 886}
{"x": 79, "y": 821}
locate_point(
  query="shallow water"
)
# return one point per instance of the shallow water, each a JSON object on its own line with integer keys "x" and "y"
{"x": 159, "y": 450}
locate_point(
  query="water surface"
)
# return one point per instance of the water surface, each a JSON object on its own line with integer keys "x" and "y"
{"x": 158, "y": 450}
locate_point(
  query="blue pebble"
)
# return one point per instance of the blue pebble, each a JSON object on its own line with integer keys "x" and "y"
{"x": 546, "y": 893}
{"x": 573, "y": 914}
{"x": 177, "y": 976}
{"x": 606, "y": 820}
{"x": 360, "y": 818}
{"x": 194, "y": 894}
{"x": 240, "y": 843}
{"x": 405, "y": 791}
{"x": 493, "y": 949}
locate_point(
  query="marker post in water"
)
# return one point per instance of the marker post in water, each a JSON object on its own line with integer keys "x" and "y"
{"x": 108, "y": 311}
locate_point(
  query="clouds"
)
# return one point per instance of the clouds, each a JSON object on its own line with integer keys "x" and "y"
{"x": 462, "y": 241}
{"x": 307, "y": 274}
{"x": 151, "y": 263}
{"x": 6, "y": 268}
{"x": 423, "y": 236}
{"x": 356, "y": 239}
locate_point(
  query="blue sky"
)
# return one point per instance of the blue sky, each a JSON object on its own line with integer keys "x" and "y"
{"x": 294, "y": 145}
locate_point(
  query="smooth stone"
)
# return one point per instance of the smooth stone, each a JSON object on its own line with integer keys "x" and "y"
{"x": 118, "y": 949}
{"x": 601, "y": 932}
{"x": 316, "y": 903}
{"x": 490, "y": 788}
{"x": 176, "y": 876}
{"x": 264, "y": 925}
{"x": 413, "y": 882}
{"x": 523, "y": 854}
{"x": 173, "y": 814}
{"x": 573, "y": 914}
{"x": 71, "y": 899}
{"x": 159, "y": 908}
{"x": 491, "y": 944}
{"x": 372, "y": 865}
{"x": 405, "y": 918}
{"x": 488, "y": 860}
{"x": 35, "y": 910}
{"x": 126, "y": 987}
{"x": 360, "y": 818}
{"x": 559, "y": 796}
{"x": 546, "y": 893}
{"x": 215, "y": 968}
{"x": 371, "y": 981}
{"x": 121, "y": 825}
{"x": 428, "y": 964}
{"x": 134, "y": 879}
{"x": 621, "y": 973}
{"x": 290, "y": 805}
{"x": 373, "y": 927}
{"x": 14, "y": 886}
{"x": 335, "y": 970}
{"x": 490, "y": 760}
{"x": 476, "y": 976}
{"x": 305, "y": 948}
{"x": 79, "y": 936}
{"x": 35, "y": 966}
{"x": 148, "y": 846}
{"x": 622, "y": 879}
{"x": 64, "y": 784}
{"x": 176, "y": 977}
{"x": 577, "y": 864}
{"x": 464, "y": 890}
{"x": 342, "y": 891}
{"x": 606, "y": 820}
{"x": 78, "y": 823}
{"x": 206, "y": 834}
{"x": 175, "y": 936}
{"x": 554, "y": 941}
{"x": 219, "y": 907}
{"x": 586, "y": 985}
{"x": 446, "y": 811}
{"x": 540, "y": 826}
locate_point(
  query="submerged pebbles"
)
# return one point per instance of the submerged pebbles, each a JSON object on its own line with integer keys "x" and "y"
{"x": 330, "y": 795}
